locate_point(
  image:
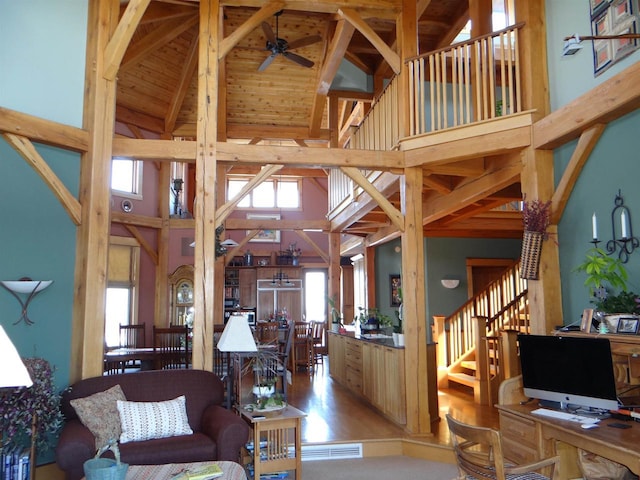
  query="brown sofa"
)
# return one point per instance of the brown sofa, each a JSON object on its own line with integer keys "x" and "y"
{"x": 218, "y": 434}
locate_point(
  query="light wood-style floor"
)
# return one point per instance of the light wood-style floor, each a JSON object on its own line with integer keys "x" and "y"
{"x": 336, "y": 415}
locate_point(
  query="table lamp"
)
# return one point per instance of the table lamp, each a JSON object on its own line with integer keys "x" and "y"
{"x": 13, "y": 372}
{"x": 237, "y": 336}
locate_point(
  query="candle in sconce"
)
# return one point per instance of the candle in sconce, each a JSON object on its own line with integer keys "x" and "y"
{"x": 594, "y": 226}
{"x": 623, "y": 223}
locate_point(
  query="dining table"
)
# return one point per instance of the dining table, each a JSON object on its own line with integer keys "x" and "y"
{"x": 146, "y": 355}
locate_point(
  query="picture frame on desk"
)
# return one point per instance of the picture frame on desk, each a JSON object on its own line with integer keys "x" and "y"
{"x": 587, "y": 320}
{"x": 628, "y": 325}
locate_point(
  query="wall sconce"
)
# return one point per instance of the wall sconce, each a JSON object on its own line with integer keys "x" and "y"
{"x": 450, "y": 282}
{"x": 626, "y": 243}
{"x": 572, "y": 44}
{"x": 28, "y": 287}
{"x": 176, "y": 189}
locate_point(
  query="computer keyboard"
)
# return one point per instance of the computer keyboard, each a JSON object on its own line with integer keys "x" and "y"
{"x": 572, "y": 417}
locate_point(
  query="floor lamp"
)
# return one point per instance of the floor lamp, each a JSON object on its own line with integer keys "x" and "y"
{"x": 236, "y": 338}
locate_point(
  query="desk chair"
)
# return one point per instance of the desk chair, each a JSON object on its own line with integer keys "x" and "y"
{"x": 132, "y": 336}
{"x": 171, "y": 347}
{"x": 479, "y": 455}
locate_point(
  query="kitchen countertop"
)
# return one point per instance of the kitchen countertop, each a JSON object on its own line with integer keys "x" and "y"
{"x": 380, "y": 339}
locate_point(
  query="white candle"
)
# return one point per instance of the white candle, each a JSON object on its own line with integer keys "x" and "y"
{"x": 594, "y": 226}
{"x": 623, "y": 222}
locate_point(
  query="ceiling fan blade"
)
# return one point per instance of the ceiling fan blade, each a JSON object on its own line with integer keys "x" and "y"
{"x": 268, "y": 32}
{"x": 267, "y": 62}
{"x": 298, "y": 59}
{"x": 304, "y": 42}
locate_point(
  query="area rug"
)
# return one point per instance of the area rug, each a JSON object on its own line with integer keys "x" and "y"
{"x": 378, "y": 468}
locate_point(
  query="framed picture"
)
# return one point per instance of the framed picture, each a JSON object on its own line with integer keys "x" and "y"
{"x": 587, "y": 319}
{"x": 395, "y": 283}
{"x": 628, "y": 325}
{"x": 267, "y": 234}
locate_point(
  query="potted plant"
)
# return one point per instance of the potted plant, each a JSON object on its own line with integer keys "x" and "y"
{"x": 398, "y": 331}
{"x": 607, "y": 283}
{"x": 335, "y": 314}
{"x": 31, "y": 415}
{"x": 536, "y": 216}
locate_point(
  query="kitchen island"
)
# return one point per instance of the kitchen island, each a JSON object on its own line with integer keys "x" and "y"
{"x": 371, "y": 366}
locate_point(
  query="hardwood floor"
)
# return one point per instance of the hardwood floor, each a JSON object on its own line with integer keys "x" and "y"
{"x": 336, "y": 415}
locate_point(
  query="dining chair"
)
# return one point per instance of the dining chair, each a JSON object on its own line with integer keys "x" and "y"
{"x": 318, "y": 345}
{"x": 171, "y": 347}
{"x": 479, "y": 455}
{"x": 267, "y": 332}
{"x": 302, "y": 346}
{"x": 132, "y": 336}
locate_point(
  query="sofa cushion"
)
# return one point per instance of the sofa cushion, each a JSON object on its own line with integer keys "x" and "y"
{"x": 151, "y": 420}
{"x": 99, "y": 413}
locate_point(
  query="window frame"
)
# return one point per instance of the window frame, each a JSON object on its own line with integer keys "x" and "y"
{"x": 136, "y": 181}
{"x": 275, "y": 180}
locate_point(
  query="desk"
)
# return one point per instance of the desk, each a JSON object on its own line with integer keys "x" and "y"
{"x": 527, "y": 437}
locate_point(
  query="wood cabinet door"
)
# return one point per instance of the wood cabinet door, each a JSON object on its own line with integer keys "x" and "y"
{"x": 248, "y": 288}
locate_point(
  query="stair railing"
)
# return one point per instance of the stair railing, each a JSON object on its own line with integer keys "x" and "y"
{"x": 474, "y": 330}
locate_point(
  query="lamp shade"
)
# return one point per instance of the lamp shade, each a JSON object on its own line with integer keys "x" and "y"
{"x": 13, "y": 372}
{"x": 237, "y": 336}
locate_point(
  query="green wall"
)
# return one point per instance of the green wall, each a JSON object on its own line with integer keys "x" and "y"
{"x": 37, "y": 238}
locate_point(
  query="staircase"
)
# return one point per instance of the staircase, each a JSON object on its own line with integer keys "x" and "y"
{"x": 477, "y": 343}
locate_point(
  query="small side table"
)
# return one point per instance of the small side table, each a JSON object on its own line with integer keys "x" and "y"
{"x": 273, "y": 437}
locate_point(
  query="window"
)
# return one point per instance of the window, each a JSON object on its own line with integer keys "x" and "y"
{"x": 126, "y": 177}
{"x": 315, "y": 293}
{"x": 122, "y": 283}
{"x": 273, "y": 193}
{"x": 359, "y": 283}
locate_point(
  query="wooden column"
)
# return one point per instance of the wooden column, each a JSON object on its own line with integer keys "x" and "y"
{"x": 92, "y": 238}
{"x": 545, "y": 297}
{"x": 205, "y": 204}
{"x": 420, "y": 400}
{"x": 334, "y": 272}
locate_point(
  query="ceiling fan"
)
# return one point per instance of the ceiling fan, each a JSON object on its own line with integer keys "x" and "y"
{"x": 279, "y": 46}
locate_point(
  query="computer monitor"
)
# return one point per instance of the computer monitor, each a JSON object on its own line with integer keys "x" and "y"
{"x": 568, "y": 372}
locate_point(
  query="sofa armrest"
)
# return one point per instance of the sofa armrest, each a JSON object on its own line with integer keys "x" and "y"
{"x": 227, "y": 430}
{"x": 75, "y": 446}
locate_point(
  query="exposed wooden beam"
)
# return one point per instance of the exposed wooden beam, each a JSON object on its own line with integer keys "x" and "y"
{"x": 267, "y": 10}
{"x": 121, "y": 37}
{"x": 330, "y": 66}
{"x": 27, "y": 150}
{"x": 146, "y": 246}
{"x": 604, "y": 103}
{"x": 586, "y": 144}
{"x": 321, "y": 253}
{"x": 43, "y": 131}
{"x": 363, "y": 27}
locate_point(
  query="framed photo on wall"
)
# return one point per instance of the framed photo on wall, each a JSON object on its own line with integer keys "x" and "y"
{"x": 395, "y": 283}
{"x": 266, "y": 234}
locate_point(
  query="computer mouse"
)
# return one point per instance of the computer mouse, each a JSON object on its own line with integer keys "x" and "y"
{"x": 587, "y": 426}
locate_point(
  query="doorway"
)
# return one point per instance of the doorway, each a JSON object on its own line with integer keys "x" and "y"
{"x": 315, "y": 295}
{"x": 482, "y": 271}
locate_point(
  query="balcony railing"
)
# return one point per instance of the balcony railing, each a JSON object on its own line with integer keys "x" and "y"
{"x": 458, "y": 85}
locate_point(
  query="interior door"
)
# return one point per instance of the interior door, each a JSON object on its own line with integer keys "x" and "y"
{"x": 482, "y": 271}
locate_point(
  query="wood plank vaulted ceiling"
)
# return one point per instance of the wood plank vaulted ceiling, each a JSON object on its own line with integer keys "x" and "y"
{"x": 156, "y": 87}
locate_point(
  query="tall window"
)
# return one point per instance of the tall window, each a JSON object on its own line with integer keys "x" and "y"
{"x": 315, "y": 293}
{"x": 272, "y": 193}
{"x": 359, "y": 291}
{"x": 126, "y": 177}
{"x": 122, "y": 282}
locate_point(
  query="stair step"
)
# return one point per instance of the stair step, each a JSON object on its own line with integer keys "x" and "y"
{"x": 462, "y": 378}
{"x": 469, "y": 365}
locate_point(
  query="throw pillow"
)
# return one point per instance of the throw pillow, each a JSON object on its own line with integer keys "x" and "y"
{"x": 99, "y": 413}
{"x": 148, "y": 420}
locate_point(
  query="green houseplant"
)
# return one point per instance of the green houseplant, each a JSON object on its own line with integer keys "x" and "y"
{"x": 607, "y": 283}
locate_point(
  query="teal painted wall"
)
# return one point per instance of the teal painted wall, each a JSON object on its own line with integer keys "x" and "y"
{"x": 37, "y": 238}
{"x": 444, "y": 258}
{"x": 612, "y": 166}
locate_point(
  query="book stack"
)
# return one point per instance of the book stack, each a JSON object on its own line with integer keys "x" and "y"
{"x": 15, "y": 465}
